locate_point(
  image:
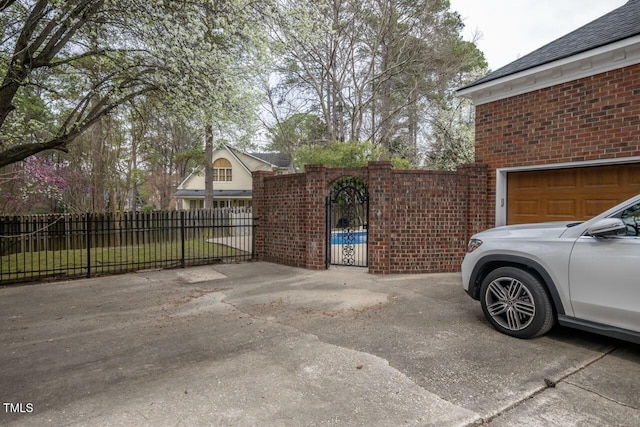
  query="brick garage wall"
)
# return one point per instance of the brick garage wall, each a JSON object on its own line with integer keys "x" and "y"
{"x": 419, "y": 221}
{"x": 593, "y": 118}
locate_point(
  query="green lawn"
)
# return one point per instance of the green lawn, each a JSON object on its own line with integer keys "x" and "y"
{"x": 110, "y": 260}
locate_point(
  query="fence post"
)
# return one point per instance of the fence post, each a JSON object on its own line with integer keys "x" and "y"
{"x": 182, "y": 262}
{"x": 254, "y": 225}
{"x": 88, "y": 230}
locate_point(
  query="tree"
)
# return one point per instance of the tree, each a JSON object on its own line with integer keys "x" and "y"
{"x": 451, "y": 123}
{"x": 452, "y": 136}
{"x": 297, "y": 131}
{"x": 88, "y": 57}
{"x": 344, "y": 154}
{"x": 39, "y": 186}
{"x": 165, "y": 147}
{"x": 371, "y": 69}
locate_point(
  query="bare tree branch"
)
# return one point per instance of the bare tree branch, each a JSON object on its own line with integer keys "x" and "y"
{"x": 4, "y": 4}
{"x": 100, "y": 110}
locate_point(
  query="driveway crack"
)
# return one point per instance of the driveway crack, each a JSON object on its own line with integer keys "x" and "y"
{"x": 548, "y": 383}
{"x": 602, "y": 395}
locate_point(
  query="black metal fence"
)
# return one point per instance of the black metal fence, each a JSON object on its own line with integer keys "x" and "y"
{"x": 38, "y": 247}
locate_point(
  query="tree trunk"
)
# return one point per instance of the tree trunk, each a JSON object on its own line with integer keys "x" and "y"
{"x": 208, "y": 168}
{"x": 98, "y": 170}
{"x": 386, "y": 85}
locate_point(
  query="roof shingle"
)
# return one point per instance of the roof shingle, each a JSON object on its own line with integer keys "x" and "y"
{"x": 281, "y": 160}
{"x": 619, "y": 24}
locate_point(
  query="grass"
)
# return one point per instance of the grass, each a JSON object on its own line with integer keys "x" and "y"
{"x": 37, "y": 265}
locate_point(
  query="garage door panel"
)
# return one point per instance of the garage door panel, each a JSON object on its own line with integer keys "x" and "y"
{"x": 562, "y": 179}
{"x": 526, "y": 208}
{"x": 569, "y": 194}
{"x": 603, "y": 178}
{"x": 560, "y": 209}
{"x": 528, "y": 181}
{"x": 633, "y": 177}
{"x": 593, "y": 207}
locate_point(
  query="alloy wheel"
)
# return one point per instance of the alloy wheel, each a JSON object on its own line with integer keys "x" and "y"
{"x": 510, "y": 303}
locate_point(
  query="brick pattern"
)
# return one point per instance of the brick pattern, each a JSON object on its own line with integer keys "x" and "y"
{"x": 419, "y": 221}
{"x": 314, "y": 217}
{"x": 429, "y": 222}
{"x": 280, "y": 211}
{"x": 380, "y": 185}
{"x": 593, "y": 118}
{"x": 477, "y": 203}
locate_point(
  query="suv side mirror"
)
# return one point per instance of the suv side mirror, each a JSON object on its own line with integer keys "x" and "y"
{"x": 607, "y": 227}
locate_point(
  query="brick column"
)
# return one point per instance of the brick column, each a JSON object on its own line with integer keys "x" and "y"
{"x": 315, "y": 218}
{"x": 380, "y": 197}
{"x": 477, "y": 203}
{"x": 258, "y": 209}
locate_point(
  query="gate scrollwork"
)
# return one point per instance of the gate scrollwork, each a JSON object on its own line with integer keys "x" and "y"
{"x": 347, "y": 222}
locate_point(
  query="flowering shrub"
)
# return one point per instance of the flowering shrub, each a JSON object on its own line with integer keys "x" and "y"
{"x": 45, "y": 177}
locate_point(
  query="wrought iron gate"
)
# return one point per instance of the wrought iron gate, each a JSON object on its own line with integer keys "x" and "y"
{"x": 347, "y": 223}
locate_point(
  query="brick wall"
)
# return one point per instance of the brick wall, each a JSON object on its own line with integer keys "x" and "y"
{"x": 419, "y": 221}
{"x": 593, "y": 118}
{"x": 432, "y": 218}
{"x": 281, "y": 211}
{"x": 429, "y": 221}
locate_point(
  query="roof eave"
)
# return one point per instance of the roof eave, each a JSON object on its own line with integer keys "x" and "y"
{"x": 595, "y": 61}
{"x": 232, "y": 151}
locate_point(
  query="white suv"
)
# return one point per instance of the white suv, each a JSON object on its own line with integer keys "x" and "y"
{"x": 585, "y": 275}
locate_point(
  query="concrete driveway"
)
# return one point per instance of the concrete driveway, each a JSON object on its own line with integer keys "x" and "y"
{"x": 263, "y": 344}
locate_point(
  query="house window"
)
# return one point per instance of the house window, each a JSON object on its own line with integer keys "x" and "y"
{"x": 222, "y": 170}
{"x": 196, "y": 204}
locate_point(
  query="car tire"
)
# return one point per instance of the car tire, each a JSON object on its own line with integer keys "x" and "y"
{"x": 516, "y": 303}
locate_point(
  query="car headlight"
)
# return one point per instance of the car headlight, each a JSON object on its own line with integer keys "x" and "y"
{"x": 473, "y": 245}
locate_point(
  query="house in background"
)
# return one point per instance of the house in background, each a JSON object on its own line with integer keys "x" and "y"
{"x": 232, "y": 180}
{"x": 559, "y": 128}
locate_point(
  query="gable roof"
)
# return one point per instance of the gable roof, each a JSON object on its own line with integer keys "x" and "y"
{"x": 619, "y": 24}
{"x": 280, "y": 160}
{"x": 235, "y": 155}
{"x": 273, "y": 160}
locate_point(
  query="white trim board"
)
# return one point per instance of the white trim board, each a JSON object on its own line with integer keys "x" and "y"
{"x": 600, "y": 60}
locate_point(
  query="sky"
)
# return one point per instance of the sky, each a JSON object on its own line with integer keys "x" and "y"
{"x": 510, "y": 29}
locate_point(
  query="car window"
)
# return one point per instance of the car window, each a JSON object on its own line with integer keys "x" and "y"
{"x": 631, "y": 217}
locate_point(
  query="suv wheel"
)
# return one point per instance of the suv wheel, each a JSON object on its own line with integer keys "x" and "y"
{"x": 516, "y": 303}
